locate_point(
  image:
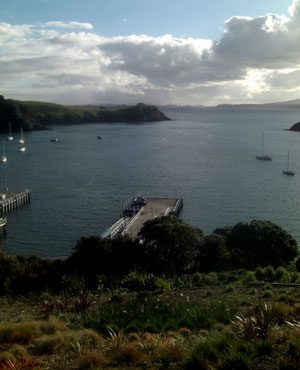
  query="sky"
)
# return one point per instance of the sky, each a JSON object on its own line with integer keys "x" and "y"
{"x": 190, "y": 52}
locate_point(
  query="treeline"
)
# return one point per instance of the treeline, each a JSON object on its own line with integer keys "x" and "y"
{"x": 166, "y": 247}
{"x": 32, "y": 115}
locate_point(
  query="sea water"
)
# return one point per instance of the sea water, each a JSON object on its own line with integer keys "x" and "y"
{"x": 208, "y": 156}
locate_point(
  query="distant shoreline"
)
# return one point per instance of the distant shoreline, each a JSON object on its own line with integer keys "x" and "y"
{"x": 32, "y": 115}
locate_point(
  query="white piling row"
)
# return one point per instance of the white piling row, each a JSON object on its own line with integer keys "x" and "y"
{"x": 14, "y": 202}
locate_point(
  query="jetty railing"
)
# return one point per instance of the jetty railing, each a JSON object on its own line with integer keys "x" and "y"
{"x": 132, "y": 221}
{"x": 116, "y": 228}
{"x": 178, "y": 206}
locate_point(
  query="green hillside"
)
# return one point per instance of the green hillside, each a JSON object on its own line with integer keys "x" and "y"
{"x": 32, "y": 115}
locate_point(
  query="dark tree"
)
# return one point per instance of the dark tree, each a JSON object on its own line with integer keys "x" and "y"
{"x": 170, "y": 245}
{"x": 225, "y": 231}
{"x": 93, "y": 256}
{"x": 213, "y": 254}
{"x": 260, "y": 243}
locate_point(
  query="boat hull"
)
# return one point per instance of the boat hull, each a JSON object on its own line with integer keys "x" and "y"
{"x": 288, "y": 173}
{"x": 264, "y": 157}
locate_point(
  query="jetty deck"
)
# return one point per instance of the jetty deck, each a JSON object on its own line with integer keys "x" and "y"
{"x": 139, "y": 211}
{"x": 155, "y": 207}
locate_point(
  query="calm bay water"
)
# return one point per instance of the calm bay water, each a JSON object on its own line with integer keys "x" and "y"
{"x": 79, "y": 185}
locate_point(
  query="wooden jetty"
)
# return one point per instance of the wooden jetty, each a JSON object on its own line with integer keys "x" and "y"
{"x": 9, "y": 202}
{"x": 140, "y": 210}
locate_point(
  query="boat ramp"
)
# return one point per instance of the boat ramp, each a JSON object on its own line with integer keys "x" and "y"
{"x": 139, "y": 211}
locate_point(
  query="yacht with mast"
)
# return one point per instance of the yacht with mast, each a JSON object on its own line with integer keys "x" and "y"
{"x": 263, "y": 156}
{"x": 54, "y": 138}
{"x": 10, "y": 137}
{"x": 3, "y": 158}
{"x": 287, "y": 171}
{"x": 21, "y": 140}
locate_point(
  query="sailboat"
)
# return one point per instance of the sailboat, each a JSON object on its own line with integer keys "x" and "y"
{"x": 21, "y": 140}
{"x": 54, "y": 138}
{"x": 9, "y": 137}
{"x": 262, "y": 156}
{"x": 3, "y": 158}
{"x": 287, "y": 171}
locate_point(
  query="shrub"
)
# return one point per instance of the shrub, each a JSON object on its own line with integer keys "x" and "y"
{"x": 19, "y": 352}
{"x": 256, "y": 324}
{"x": 250, "y": 277}
{"x": 22, "y": 332}
{"x": 89, "y": 339}
{"x": 129, "y": 353}
{"x": 267, "y": 294}
{"x": 167, "y": 354}
{"x": 47, "y": 344}
{"x": 269, "y": 274}
{"x": 91, "y": 360}
{"x": 280, "y": 274}
{"x": 5, "y": 358}
{"x": 207, "y": 351}
{"x": 137, "y": 281}
{"x": 259, "y": 273}
{"x": 211, "y": 279}
{"x": 263, "y": 348}
{"x": 52, "y": 326}
{"x": 235, "y": 361}
{"x": 198, "y": 279}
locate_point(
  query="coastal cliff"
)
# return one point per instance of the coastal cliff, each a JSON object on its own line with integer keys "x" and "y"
{"x": 295, "y": 127}
{"x": 40, "y": 115}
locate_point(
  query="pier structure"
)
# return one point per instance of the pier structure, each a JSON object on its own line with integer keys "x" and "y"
{"x": 9, "y": 202}
{"x": 3, "y": 230}
{"x": 139, "y": 211}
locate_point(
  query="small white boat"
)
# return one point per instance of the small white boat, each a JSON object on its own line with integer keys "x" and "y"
{"x": 262, "y": 156}
{"x": 3, "y": 230}
{"x": 99, "y": 137}
{"x": 10, "y": 137}
{"x": 287, "y": 171}
{"x": 21, "y": 140}
{"x": 22, "y": 148}
{"x": 3, "y": 221}
{"x": 54, "y": 138}
{"x": 3, "y": 158}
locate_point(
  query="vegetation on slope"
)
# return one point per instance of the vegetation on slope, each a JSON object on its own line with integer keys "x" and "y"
{"x": 179, "y": 300}
{"x": 40, "y": 115}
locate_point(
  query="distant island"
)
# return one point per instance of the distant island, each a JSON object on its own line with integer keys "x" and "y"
{"x": 295, "y": 127}
{"x": 291, "y": 104}
{"x": 33, "y": 115}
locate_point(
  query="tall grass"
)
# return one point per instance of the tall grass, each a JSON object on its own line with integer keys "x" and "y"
{"x": 155, "y": 315}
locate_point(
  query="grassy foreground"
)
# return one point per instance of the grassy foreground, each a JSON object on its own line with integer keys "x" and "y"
{"x": 233, "y": 327}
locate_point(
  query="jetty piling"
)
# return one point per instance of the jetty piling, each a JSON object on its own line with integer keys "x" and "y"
{"x": 9, "y": 202}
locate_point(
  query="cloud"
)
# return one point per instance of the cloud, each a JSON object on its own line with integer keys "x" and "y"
{"x": 254, "y": 59}
{"x": 70, "y": 25}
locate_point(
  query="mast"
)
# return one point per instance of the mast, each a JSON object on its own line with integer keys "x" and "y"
{"x": 288, "y": 161}
{"x": 263, "y": 142}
